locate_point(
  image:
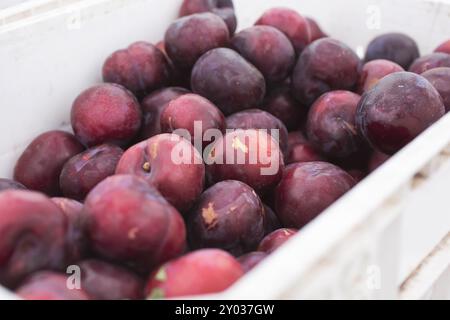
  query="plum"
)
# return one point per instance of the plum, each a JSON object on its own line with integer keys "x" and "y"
{"x": 229, "y": 216}
{"x": 276, "y": 239}
{"x": 106, "y": 281}
{"x": 400, "y": 107}
{"x": 106, "y": 113}
{"x": 307, "y": 189}
{"x": 282, "y": 105}
{"x": 49, "y": 285}
{"x": 141, "y": 68}
{"x": 222, "y": 8}
{"x": 171, "y": 164}
{"x": 152, "y": 107}
{"x": 33, "y": 235}
{"x": 199, "y": 272}
{"x": 331, "y": 124}
{"x": 84, "y": 171}
{"x": 40, "y": 165}
{"x": 315, "y": 30}
{"x": 376, "y": 160}
{"x": 325, "y": 65}
{"x": 271, "y": 221}
{"x": 430, "y": 61}
{"x": 395, "y": 47}
{"x": 189, "y": 112}
{"x": 251, "y": 156}
{"x": 444, "y": 47}
{"x": 301, "y": 150}
{"x": 130, "y": 222}
{"x": 259, "y": 119}
{"x": 291, "y": 23}
{"x": 7, "y": 184}
{"x": 188, "y": 38}
{"x": 440, "y": 79}
{"x": 228, "y": 80}
{"x": 268, "y": 49}
{"x": 76, "y": 237}
{"x": 250, "y": 260}
{"x": 357, "y": 174}
{"x": 373, "y": 71}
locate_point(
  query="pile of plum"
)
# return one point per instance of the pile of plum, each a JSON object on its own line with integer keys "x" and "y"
{"x": 110, "y": 201}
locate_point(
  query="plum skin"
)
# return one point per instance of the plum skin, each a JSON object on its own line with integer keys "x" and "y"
{"x": 275, "y": 239}
{"x": 7, "y": 184}
{"x": 49, "y": 285}
{"x": 222, "y": 8}
{"x": 391, "y": 114}
{"x": 331, "y": 124}
{"x": 430, "y": 61}
{"x": 259, "y": 119}
{"x": 300, "y": 149}
{"x": 325, "y": 65}
{"x": 152, "y": 107}
{"x": 250, "y": 260}
{"x": 440, "y": 79}
{"x": 40, "y": 165}
{"x": 291, "y": 23}
{"x": 131, "y": 223}
{"x": 180, "y": 183}
{"x": 443, "y": 47}
{"x": 375, "y": 70}
{"x": 396, "y": 47}
{"x": 268, "y": 49}
{"x": 184, "y": 111}
{"x": 314, "y": 28}
{"x": 229, "y": 216}
{"x": 261, "y": 169}
{"x": 189, "y": 37}
{"x": 33, "y": 235}
{"x": 141, "y": 68}
{"x": 106, "y": 113}
{"x": 84, "y": 171}
{"x": 211, "y": 78}
{"x": 307, "y": 189}
{"x": 106, "y": 281}
{"x": 199, "y": 272}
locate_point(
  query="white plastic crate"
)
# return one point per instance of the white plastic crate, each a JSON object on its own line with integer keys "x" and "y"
{"x": 387, "y": 238}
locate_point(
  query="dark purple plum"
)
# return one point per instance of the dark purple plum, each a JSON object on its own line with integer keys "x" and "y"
{"x": 141, "y": 68}
{"x": 171, "y": 164}
{"x": 40, "y": 165}
{"x": 276, "y": 239}
{"x": 301, "y": 150}
{"x": 400, "y": 107}
{"x": 282, "y": 105}
{"x": 376, "y": 160}
{"x": 32, "y": 235}
{"x": 375, "y": 70}
{"x": 291, "y": 23}
{"x": 85, "y": 170}
{"x": 250, "y": 156}
{"x": 395, "y": 47}
{"x": 315, "y": 30}
{"x": 106, "y": 113}
{"x": 430, "y": 61}
{"x": 229, "y": 216}
{"x": 440, "y": 79}
{"x": 131, "y": 223}
{"x": 228, "y": 80}
{"x": 271, "y": 221}
{"x": 331, "y": 124}
{"x": 222, "y": 8}
{"x": 152, "y": 107}
{"x": 259, "y": 119}
{"x": 325, "y": 65}
{"x": 8, "y": 184}
{"x": 188, "y": 38}
{"x": 106, "y": 281}
{"x": 307, "y": 189}
{"x": 187, "y": 112}
{"x": 268, "y": 49}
